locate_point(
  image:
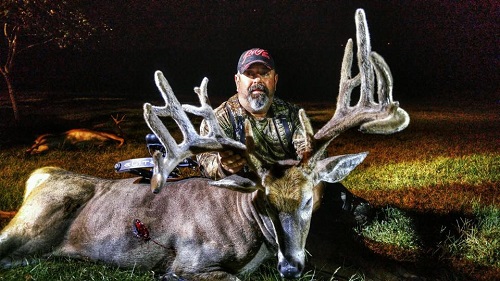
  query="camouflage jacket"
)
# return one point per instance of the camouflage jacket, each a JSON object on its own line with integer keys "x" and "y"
{"x": 277, "y": 137}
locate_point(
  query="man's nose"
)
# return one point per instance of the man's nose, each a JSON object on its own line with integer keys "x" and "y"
{"x": 256, "y": 79}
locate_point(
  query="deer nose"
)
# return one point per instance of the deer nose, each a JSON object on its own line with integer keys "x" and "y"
{"x": 290, "y": 270}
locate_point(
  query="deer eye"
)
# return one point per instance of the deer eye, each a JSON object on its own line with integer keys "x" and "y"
{"x": 308, "y": 203}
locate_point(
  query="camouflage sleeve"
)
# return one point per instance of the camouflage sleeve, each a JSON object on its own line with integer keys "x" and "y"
{"x": 209, "y": 161}
{"x": 210, "y": 165}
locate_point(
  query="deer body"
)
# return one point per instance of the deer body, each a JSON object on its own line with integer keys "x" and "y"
{"x": 202, "y": 229}
{"x": 73, "y": 137}
{"x": 213, "y": 230}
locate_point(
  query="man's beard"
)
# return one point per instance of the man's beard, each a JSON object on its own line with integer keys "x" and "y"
{"x": 258, "y": 101}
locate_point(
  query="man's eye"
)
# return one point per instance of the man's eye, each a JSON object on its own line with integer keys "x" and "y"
{"x": 253, "y": 75}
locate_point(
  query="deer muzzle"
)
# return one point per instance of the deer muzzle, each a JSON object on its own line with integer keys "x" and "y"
{"x": 291, "y": 268}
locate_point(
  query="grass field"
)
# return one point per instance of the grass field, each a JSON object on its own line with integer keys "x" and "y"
{"x": 436, "y": 187}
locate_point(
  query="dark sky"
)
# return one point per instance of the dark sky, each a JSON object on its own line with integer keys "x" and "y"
{"x": 432, "y": 47}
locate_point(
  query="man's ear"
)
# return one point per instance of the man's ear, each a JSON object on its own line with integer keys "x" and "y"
{"x": 237, "y": 81}
{"x": 336, "y": 168}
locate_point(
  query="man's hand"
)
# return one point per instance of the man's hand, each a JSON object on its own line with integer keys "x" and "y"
{"x": 231, "y": 162}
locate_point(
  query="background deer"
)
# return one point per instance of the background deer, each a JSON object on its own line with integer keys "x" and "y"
{"x": 201, "y": 229}
{"x": 75, "y": 137}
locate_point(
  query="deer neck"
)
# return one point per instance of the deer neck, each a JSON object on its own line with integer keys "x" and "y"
{"x": 256, "y": 205}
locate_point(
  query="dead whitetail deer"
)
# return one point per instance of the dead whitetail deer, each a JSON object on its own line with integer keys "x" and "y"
{"x": 75, "y": 137}
{"x": 201, "y": 229}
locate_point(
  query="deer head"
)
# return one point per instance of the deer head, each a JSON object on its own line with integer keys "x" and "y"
{"x": 117, "y": 121}
{"x": 287, "y": 186}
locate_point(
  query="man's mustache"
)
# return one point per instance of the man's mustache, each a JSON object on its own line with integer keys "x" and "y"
{"x": 258, "y": 87}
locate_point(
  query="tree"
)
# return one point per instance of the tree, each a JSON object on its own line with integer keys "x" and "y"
{"x": 31, "y": 23}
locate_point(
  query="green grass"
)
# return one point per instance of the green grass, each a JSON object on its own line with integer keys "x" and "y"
{"x": 66, "y": 269}
{"x": 475, "y": 169}
{"x": 396, "y": 228}
{"x": 69, "y": 269}
{"x": 478, "y": 240}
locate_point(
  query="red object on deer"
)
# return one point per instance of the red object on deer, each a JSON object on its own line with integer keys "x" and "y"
{"x": 140, "y": 230}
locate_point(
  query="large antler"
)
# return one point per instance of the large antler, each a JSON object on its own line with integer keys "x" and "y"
{"x": 192, "y": 142}
{"x": 383, "y": 116}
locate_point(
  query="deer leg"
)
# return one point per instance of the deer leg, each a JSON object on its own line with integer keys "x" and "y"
{"x": 216, "y": 275}
{"x": 209, "y": 276}
{"x": 182, "y": 268}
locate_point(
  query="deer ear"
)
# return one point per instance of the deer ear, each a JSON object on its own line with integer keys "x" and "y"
{"x": 336, "y": 168}
{"x": 237, "y": 183}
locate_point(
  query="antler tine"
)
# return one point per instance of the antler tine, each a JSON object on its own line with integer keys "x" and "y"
{"x": 173, "y": 109}
{"x": 308, "y": 133}
{"x": 206, "y": 111}
{"x": 384, "y": 117}
{"x": 397, "y": 118}
{"x": 347, "y": 84}
{"x": 384, "y": 79}
{"x": 115, "y": 119}
{"x": 364, "y": 63}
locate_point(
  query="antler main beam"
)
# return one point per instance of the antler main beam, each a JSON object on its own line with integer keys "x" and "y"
{"x": 192, "y": 142}
{"x": 383, "y": 116}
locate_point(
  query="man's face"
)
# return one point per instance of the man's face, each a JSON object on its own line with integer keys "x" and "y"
{"x": 256, "y": 87}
